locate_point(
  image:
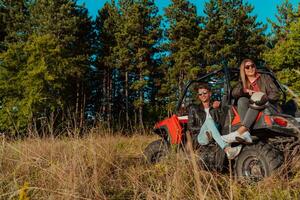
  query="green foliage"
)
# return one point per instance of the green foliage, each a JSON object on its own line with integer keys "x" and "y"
{"x": 41, "y": 62}
{"x": 26, "y": 82}
{"x": 56, "y": 61}
{"x": 284, "y": 58}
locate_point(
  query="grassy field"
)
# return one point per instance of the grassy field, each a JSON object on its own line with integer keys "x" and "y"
{"x": 101, "y": 166}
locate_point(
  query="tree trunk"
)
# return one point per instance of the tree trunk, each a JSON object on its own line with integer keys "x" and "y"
{"x": 126, "y": 100}
{"x": 77, "y": 104}
{"x": 141, "y": 123}
{"x": 109, "y": 96}
{"x": 82, "y": 107}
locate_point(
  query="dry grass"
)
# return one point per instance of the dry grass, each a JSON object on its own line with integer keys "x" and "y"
{"x": 100, "y": 166}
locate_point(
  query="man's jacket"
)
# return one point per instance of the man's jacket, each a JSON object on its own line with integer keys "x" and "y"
{"x": 197, "y": 116}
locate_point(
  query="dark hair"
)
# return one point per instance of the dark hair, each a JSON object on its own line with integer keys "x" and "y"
{"x": 203, "y": 86}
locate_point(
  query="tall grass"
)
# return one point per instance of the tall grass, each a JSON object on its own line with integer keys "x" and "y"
{"x": 101, "y": 166}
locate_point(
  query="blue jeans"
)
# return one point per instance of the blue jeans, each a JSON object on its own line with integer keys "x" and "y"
{"x": 210, "y": 126}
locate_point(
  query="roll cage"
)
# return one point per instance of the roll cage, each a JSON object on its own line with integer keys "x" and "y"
{"x": 229, "y": 74}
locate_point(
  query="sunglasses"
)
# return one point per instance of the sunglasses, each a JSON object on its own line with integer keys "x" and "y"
{"x": 248, "y": 66}
{"x": 203, "y": 93}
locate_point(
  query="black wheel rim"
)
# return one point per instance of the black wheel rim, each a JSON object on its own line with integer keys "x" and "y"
{"x": 254, "y": 169}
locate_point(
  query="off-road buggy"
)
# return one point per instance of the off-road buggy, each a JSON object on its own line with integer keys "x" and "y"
{"x": 276, "y": 136}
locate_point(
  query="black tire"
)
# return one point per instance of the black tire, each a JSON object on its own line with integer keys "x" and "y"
{"x": 156, "y": 150}
{"x": 257, "y": 161}
{"x": 211, "y": 157}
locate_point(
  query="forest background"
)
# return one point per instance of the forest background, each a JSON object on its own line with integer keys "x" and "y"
{"x": 60, "y": 69}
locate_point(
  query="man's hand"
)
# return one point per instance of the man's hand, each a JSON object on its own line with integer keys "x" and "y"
{"x": 216, "y": 104}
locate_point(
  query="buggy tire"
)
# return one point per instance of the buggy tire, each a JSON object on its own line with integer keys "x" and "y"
{"x": 257, "y": 161}
{"x": 156, "y": 150}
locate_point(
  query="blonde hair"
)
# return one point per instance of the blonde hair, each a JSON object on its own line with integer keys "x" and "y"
{"x": 244, "y": 79}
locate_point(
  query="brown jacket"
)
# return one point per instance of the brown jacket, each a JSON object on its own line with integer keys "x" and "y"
{"x": 266, "y": 86}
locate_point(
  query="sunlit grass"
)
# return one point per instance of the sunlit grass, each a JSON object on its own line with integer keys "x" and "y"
{"x": 100, "y": 166}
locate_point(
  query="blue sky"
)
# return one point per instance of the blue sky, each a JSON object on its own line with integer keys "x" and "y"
{"x": 262, "y": 8}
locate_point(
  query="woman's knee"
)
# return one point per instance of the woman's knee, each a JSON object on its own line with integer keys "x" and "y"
{"x": 243, "y": 101}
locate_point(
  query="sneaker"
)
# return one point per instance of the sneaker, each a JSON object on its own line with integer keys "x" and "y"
{"x": 231, "y": 137}
{"x": 244, "y": 138}
{"x": 233, "y": 152}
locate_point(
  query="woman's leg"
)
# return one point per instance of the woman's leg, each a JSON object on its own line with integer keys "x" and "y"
{"x": 250, "y": 117}
{"x": 247, "y": 115}
{"x": 243, "y": 105}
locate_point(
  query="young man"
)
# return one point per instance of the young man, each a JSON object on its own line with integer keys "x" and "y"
{"x": 203, "y": 121}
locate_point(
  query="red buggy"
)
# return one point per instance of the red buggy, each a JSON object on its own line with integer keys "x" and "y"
{"x": 275, "y": 133}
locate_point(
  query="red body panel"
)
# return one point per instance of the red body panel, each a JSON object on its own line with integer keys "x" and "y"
{"x": 236, "y": 118}
{"x": 173, "y": 127}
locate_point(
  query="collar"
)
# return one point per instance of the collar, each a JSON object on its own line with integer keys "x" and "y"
{"x": 256, "y": 77}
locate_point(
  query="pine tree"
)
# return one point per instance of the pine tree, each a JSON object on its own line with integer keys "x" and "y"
{"x": 148, "y": 33}
{"x": 15, "y": 16}
{"x": 106, "y": 27}
{"x": 212, "y": 39}
{"x": 15, "y": 33}
{"x": 122, "y": 55}
{"x": 231, "y": 33}
{"x": 286, "y": 15}
{"x": 3, "y": 16}
{"x": 247, "y": 35}
{"x": 183, "y": 60}
{"x": 72, "y": 28}
{"x": 136, "y": 40}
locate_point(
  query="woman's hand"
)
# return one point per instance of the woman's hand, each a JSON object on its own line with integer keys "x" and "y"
{"x": 264, "y": 99}
{"x": 216, "y": 104}
{"x": 250, "y": 92}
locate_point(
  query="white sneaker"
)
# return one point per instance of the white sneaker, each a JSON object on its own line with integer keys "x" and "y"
{"x": 233, "y": 152}
{"x": 244, "y": 138}
{"x": 231, "y": 137}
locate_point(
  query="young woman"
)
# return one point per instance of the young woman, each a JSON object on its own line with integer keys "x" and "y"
{"x": 250, "y": 82}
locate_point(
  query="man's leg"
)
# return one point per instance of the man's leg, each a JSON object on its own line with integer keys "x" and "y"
{"x": 210, "y": 124}
{"x": 202, "y": 137}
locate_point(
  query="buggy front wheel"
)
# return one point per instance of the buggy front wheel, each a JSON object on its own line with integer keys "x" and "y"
{"x": 257, "y": 161}
{"x": 156, "y": 150}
